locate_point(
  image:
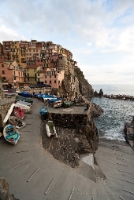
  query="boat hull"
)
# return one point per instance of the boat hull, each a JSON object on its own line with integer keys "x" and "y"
{"x": 50, "y": 131}
{"x": 11, "y": 134}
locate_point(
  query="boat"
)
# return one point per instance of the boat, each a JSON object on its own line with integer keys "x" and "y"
{"x": 25, "y": 94}
{"x": 18, "y": 112}
{"x": 57, "y": 104}
{"x": 25, "y": 108}
{"x": 67, "y": 104}
{"x": 48, "y": 97}
{"x": 29, "y": 100}
{"x": 8, "y": 113}
{"x": 50, "y": 129}
{"x": 24, "y": 103}
{"x": 43, "y": 112}
{"x": 11, "y": 134}
{"x": 13, "y": 120}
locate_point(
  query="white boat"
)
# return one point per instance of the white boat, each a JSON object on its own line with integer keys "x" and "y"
{"x": 48, "y": 97}
{"x": 24, "y": 103}
{"x": 11, "y": 134}
{"x": 50, "y": 129}
{"x": 25, "y": 108}
{"x": 8, "y": 113}
{"x": 57, "y": 104}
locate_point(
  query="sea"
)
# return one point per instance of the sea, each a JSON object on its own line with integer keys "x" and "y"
{"x": 111, "y": 123}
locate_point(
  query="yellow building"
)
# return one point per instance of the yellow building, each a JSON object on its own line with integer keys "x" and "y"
{"x": 14, "y": 53}
{"x": 31, "y": 75}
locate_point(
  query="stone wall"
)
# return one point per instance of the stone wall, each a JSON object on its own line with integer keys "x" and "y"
{"x": 68, "y": 120}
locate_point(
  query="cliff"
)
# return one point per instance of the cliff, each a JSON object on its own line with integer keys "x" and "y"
{"x": 74, "y": 84}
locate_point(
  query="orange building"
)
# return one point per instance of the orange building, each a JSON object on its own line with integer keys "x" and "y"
{"x": 11, "y": 73}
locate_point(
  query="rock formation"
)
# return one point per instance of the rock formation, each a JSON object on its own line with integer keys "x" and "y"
{"x": 74, "y": 84}
{"x": 129, "y": 133}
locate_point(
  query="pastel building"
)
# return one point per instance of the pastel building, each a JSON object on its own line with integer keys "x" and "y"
{"x": 11, "y": 73}
{"x": 50, "y": 76}
{"x": 30, "y": 73}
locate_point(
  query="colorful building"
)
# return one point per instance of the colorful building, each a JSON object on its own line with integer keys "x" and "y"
{"x": 30, "y": 74}
{"x": 11, "y": 73}
{"x": 50, "y": 76}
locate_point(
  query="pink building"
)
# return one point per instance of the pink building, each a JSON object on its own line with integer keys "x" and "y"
{"x": 11, "y": 73}
{"x": 51, "y": 76}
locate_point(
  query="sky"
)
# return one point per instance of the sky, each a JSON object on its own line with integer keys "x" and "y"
{"x": 99, "y": 33}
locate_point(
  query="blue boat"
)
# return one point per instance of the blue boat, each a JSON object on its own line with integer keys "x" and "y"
{"x": 25, "y": 94}
{"x": 40, "y": 96}
{"x": 48, "y": 97}
{"x": 43, "y": 112}
{"x": 11, "y": 134}
{"x": 54, "y": 100}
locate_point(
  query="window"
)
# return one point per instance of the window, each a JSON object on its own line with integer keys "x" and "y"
{"x": 2, "y": 65}
{"x": 3, "y": 72}
{"x": 55, "y": 76}
{"x": 45, "y": 81}
{"x": 34, "y": 70}
{"x": 48, "y": 72}
{"x": 54, "y": 81}
{"x": 59, "y": 82}
{"x": 50, "y": 81}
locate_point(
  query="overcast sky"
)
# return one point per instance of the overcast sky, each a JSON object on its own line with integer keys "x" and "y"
{"x": 99, "y": 33}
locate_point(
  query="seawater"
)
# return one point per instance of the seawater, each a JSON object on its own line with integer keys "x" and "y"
{"x": 116, "y": 112}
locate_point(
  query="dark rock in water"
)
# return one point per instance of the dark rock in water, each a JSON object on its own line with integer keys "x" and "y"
{"x": 4, "y": 191}
{"x": 98, "y": 94}
{"x": 96, "y": 110}
{"x": 129, "y": 133}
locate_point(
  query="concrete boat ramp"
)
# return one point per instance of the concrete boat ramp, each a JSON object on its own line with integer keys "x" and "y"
{"x": 33, "y": 174}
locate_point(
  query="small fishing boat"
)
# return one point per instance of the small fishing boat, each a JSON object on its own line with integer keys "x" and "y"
{"x": 48, "y": 97}
{"x": 50, "y": 129}
{"x": 43, "y": 112}
{"x": 67, "y": 104}
{"x": 25, "y": 94}
{"x": 29, "y": 100}
{"x": 57, "y": 104}
{"x": 24, "y": 103}
{"x": 13, "y": 120}
{"x": 8, "y": 113}
{"x": 25, "y": 108}
{"x": 18, "y": 112}
{"x": 11, "y": 134}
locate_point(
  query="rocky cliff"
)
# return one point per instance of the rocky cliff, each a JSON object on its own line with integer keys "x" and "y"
{"x": 74, "y": 84}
